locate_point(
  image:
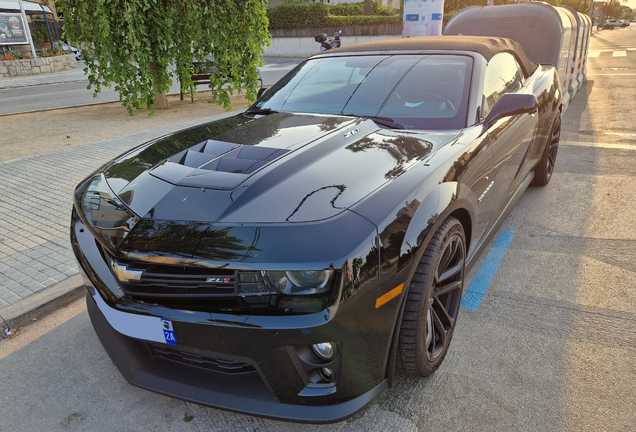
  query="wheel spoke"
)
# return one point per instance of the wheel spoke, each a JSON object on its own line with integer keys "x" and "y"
{"x": 448, "y": 288}
{"x": 449, "y": 273}
{"x": 438, "y": 327}
{"x": 444, "y": 260}
{"x": 445, "y": 320}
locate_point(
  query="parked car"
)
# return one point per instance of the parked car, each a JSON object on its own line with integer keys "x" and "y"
{"x": 613, "y": 23}
{"x": 285, "y": 261}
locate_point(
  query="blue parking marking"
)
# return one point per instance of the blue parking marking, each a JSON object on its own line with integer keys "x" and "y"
{"x": 486, "y": 272}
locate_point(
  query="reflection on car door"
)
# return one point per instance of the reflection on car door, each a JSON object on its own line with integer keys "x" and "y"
{"x": 511, "y": 136}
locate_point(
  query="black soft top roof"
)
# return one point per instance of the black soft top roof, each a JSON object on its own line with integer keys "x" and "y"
{"x": 485, "y": 45}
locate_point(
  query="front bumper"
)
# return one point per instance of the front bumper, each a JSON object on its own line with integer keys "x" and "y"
{"x": 256, "y": 365}
{"x": 244, "y": 392}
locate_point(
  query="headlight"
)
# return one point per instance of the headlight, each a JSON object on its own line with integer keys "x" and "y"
{"x": 104, "y": 212}
{"x": 301, "y": 282}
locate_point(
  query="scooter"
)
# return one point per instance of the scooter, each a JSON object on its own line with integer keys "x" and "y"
{"x": 67, "y": 47}
{"x": 326, "y": 43}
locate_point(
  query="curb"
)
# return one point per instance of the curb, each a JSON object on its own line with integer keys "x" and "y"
{"x": 41, "y": 303}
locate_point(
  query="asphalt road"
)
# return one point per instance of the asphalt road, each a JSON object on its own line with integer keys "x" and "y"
{"x": 72, "y": 94}
{"x": 552, "y": 347}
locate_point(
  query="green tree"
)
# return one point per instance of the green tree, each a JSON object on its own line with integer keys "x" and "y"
{"x": 141, "y": 46}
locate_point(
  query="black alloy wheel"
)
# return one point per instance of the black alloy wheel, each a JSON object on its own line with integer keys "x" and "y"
{"x": 545, "y": 167}
{"x": 432, "y": 302}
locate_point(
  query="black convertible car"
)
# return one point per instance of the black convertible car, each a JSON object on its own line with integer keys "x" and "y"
{"x": 285, "y": 261}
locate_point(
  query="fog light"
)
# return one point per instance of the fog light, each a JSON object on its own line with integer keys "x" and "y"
{"x": 327, "y": 374}
{"x": 324, "y": 350}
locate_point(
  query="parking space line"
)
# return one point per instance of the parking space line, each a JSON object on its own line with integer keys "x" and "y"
{"x": 479, "y": 285}
{"x": 599, "y": 145}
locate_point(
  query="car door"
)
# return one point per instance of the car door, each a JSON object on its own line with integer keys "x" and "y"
{"x": 511, "y": 136}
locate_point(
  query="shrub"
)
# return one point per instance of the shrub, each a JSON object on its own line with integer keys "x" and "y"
{"x": 298, "y": 14}
{"x": 58, "y": 48}
{"x": 8, "y": 57}
{"x": 346, "y": 9}
{"x": 336, "y": 21}
{"x": 17, "y": 55}
{"x": 295, "y": 14}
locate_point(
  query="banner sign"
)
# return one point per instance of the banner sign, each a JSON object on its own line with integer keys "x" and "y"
{"x": 12, "y": 30}
{"x": 422, "y": 18}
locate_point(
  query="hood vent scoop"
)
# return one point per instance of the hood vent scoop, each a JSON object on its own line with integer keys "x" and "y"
{"x": 215, "y": 164}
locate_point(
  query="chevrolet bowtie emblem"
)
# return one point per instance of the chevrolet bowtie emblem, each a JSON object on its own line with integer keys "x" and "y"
{"x": 123, "y": 274}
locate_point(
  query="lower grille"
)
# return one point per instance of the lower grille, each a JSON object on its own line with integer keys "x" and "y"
{"x": 215, "y": 364}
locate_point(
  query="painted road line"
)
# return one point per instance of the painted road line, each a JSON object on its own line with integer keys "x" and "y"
{"x": 593, "y": 53}
{"x": 619, "y": 54}
{"x": 486, "y": 272}
{"x": 598, "y": 145}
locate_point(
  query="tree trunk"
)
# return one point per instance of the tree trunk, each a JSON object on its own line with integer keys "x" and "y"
{"x": 161, "y": 100}
{"x": 367, "y": 7}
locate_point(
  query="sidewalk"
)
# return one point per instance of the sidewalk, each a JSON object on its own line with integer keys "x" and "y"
{"x": 74, "y": 75}
{"x": 38, "y": 273}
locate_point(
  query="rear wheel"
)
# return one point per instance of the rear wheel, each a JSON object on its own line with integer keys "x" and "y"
{"x": 432, "y": 302}
{"x": 544, "y": 169}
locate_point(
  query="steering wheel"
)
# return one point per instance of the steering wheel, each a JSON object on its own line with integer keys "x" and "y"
{"x": 438, "y": 97}
{"x": 421, "y": 96}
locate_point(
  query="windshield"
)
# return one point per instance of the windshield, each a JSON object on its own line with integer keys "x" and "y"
{"x": 416, "y": 91}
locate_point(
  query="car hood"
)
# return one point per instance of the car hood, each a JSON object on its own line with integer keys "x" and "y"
{"x": 266, "y": 169}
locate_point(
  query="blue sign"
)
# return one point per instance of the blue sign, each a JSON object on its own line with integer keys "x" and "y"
{"x": 437, "y": 16}
{"x": 412, "y": 17}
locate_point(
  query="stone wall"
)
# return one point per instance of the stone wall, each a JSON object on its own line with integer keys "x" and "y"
{"x": 16, "y": 68}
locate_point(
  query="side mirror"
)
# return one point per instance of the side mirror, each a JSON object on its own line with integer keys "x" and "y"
{"x": 512, "y": 104}
{"x": 261, "y": 92}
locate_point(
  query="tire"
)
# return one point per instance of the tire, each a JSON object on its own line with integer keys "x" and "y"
{"x": 544, "y": 169}
{"x": 432, "y": 302}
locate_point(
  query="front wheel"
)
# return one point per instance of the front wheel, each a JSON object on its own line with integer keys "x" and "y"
{"x": 432, "y": 302}
{"x": 545, "y": 167}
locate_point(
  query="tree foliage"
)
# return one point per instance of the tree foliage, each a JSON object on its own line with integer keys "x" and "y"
{"x": 141, "y": 46}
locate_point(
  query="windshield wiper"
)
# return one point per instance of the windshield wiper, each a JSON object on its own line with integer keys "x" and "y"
{"x": 263, "y": 111}
{"x": 383, "y": 121}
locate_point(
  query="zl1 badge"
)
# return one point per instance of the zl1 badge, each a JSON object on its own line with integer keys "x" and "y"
{"x": 168, "y": 332}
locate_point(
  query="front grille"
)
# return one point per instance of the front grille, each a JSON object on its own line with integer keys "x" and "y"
{"x": 191, "y": 359}
{"x": 161, "y": 281}
{"x": 193, "y": 288}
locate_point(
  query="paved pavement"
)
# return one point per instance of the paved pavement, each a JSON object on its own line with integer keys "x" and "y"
{"x": 271, "y": 64}
{"x": 36, "y": 260}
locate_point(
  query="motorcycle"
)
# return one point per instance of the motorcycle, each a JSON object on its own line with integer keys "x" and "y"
{"x": 326, "y": 43}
